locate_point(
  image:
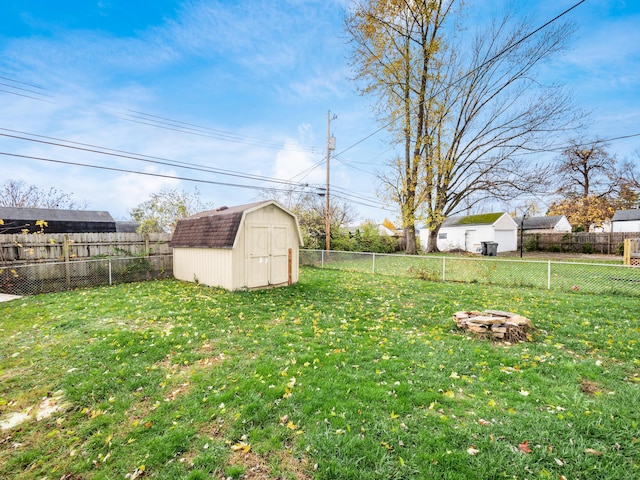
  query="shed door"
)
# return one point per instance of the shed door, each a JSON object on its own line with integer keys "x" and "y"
{"x": 258, "y": 243}
{"x": 267, "y": 255}
{"x": 279, "y": 254}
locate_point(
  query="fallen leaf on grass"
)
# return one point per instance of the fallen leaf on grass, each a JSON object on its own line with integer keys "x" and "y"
{"x": 291, "y": 425}
{"x": 138, "y": 472}
{"x": 483, "y": 422}
{"x": 524, "y": 447}
{"x": 592, "y": 451}
{"x": 472, "y": 450}
{"x": 241, "y": 447}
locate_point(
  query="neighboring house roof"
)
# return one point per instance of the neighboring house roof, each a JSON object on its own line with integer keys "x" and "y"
{"x": 626, "y": 215}
{"x": 54, "y": 215}
{"x": 127, "y": 226}
{"x": 215, "y": 228}
{"x": 539, "y": 223}
{"x": 481, "y": 219}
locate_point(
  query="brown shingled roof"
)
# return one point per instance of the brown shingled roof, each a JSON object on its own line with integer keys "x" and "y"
{"x": 210, "y": 229}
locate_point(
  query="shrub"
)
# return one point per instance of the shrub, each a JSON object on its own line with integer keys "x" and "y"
{"x": 587, "y": 248}
{"x": 531, "y": 244}
{"x": 422, "y": 273}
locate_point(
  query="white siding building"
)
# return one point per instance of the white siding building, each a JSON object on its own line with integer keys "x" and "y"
{"x": 468, "y": 233}
{"x": 626, "y": 221}
{"x": 549, "y": 224}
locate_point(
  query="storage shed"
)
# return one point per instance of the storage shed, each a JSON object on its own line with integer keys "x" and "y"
{"x": 246, "y": 246}
{"x": 626, "y": 220}
{"x": 469, "y": 232}
{"x": 58, "y": 220}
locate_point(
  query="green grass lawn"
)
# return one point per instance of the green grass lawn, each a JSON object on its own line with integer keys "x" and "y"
{"x": 598, "y": 276}
{"x": 345, "y": 375}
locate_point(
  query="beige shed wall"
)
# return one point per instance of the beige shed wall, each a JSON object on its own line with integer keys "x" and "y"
{"x": 212, "y": 267}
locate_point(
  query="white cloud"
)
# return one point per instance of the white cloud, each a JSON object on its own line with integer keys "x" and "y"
{"x": 299, "y": 166}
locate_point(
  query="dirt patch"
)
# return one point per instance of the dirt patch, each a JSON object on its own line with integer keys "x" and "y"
{"x": 46, "y": 408}
{"x": 589, "y": 387}
{"x": 256, "y": 467}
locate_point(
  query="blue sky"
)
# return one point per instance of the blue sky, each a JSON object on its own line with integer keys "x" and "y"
{"x": 242, "y": 87}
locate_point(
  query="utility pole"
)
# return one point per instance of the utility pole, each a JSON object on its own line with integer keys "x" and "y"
{"x": 331, "y": 145}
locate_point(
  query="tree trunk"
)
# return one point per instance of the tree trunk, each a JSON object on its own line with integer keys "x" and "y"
{"x": 410, "y": 239}
{"x": 433, "y": 241}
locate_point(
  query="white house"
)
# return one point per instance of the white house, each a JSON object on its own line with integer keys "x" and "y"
{"x": 246, "y": 246}
{"x": 626, "y": 221}
{"x": 468, "y": 233}
{"x": 548, "y": 224}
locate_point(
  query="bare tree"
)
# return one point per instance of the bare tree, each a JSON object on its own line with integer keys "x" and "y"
{"x": 592, "y": 184}
{"x": 471, "y": 108}
{"x": 584, "y": 169}
{"x": 15, "y": 193}
{"x": 630, "y": 173}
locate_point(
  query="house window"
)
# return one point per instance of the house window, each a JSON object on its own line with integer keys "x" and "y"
{"x": 442, "y": 236}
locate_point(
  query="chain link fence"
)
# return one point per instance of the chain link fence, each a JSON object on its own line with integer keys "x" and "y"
{"x": 594, "y": 278}
{"x": 60, "y": 276}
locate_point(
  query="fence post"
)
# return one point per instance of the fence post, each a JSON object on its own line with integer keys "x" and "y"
{"x": 626, "y": 260}
{"x": 549, "y": 276}
{"x": 322, "y": 257}
{"x": 67, "y": 267}
{"x": 110, "y": 281}
{"x": 444, "y": 269}
{"x": 373, "y": 262}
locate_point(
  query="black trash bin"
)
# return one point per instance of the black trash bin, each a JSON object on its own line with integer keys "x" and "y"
{"x": 484, "y": 248}
{"x": 491, "y": 248}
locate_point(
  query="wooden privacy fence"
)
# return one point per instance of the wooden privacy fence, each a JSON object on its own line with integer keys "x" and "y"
{"x": 65, "y": 247}
{"x": 609, "y": 243}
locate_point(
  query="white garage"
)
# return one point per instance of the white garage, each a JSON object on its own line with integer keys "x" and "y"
{"x": 469, "y": 232}
{"x": 246, "y": 246}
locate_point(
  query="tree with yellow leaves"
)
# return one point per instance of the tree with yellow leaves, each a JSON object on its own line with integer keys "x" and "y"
{"x": 461, "y": 107}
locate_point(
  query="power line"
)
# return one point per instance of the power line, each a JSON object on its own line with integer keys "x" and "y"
{"x": 201, "y": 132}
{"x": 25, "y": 96}
{"x": 299, "y": 188}
{"x": 151, "y": 174}
{"x": 230, "y": 136}
{"x": 53, "y": 141}
{"x": 21, "y": 83}
{"x": 135, "y": 156}
{"x": 562, "y": 148}
{"x": 23, "y": 89}
{"x": 166, "y": 123}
